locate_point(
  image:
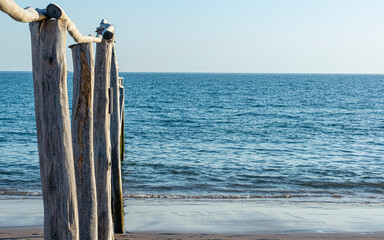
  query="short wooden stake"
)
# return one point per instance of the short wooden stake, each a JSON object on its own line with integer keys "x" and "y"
{"x": 117, "y": 189}
{"x": 53, "y": 129}
{"x": 82, "y": 138}
{"x": 102, "y": 143}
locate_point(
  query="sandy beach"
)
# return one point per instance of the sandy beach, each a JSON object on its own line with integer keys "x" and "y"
{"x": 174, "y": 219}
{"x": 37, "y": 233}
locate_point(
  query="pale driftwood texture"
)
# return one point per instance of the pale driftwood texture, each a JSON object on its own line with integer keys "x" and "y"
{"x": 55, "y": 11}
{"x": 54, "y": 130}
{"x": 110, "y": 95}
{"x": 117, "y": 189}
{"x": 108, "y": 30}
{"x": 102, "y": 144}
{"x": 28, "y": 14}
{"x": 82, "y": 138}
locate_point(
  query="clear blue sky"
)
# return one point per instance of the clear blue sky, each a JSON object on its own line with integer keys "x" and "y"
{"x": 267, "y": 36}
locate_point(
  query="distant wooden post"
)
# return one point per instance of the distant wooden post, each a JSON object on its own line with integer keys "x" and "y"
{"x": 82, "y": 138}
{"x": 53, "y": 129}
{"x": 102, "y": 144}
{"x": 117, "y": 189}
{"x": 121, "y": 82}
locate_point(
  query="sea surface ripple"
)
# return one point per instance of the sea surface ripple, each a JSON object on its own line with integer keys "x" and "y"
{"x": 302, "y": 136}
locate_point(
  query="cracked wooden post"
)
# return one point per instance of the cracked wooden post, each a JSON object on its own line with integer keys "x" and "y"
{"x": 102, "y": 144}
{"x": 82, "y": 138}
{"x": 117, "y": 189}
{"x": 53, "y": 129}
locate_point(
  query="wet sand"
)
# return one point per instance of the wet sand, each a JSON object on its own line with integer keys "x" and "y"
{"x": 170, "y": 236}
{"x": 210, "y": 219}
{"x": 36, "y": 233}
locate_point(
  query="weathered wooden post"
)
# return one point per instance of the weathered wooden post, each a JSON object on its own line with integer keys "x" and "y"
{"x": 54, "y": 130}
{"x": 102, "y": 144}
{"x": 121, "y": 82}
{"x": 117, "y": 190}
{"x": 82, "y": 138}
{"x": 53, "y": 124}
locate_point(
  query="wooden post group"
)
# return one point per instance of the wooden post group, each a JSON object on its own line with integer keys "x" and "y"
{"x": 76, "y": 162}
{"x": 81, "y": 198}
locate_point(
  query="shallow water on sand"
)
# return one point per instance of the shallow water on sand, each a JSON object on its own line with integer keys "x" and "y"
{"x": 221, "y": 216}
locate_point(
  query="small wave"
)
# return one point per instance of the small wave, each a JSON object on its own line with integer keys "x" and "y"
{"x": 281, "y": 196}
{"x": 183, "y": 172}
{"x": 21, "y": 133}
{"x": 250, "y": 114}
{"x": 177, "y": 121}
{"x": 14, "y": 192}
{"x": 258, "y": 105}
{"x": 279, "y": 105}
{"x": 343, "y": 185}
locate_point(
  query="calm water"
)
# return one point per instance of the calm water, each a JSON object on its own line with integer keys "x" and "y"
{"x": 304, "y": 137}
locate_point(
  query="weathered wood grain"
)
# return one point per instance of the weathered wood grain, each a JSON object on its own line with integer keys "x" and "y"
{"x": 108, "y": 30}
{"x": 82, "y": 138}
{"x": 53, "y": 129}
{"x": 117, "y": 189}
{"x": 55, "y": 11}
{"x": 28, "y": 14}
{"x": 102, "y": 144}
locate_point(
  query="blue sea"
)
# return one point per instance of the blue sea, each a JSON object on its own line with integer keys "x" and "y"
{"x": 301, "y": 137}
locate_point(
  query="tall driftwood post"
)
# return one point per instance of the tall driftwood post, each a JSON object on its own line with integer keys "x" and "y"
{"x": 82, "y": 138}
{"x": 102, "y": 144}
{"x": 117, "y": 190}
{"x": 53, "y": 129}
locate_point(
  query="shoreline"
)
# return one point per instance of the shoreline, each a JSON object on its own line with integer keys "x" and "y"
{"x": 36, "y": 233}
{"x": 216, "y": 219}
